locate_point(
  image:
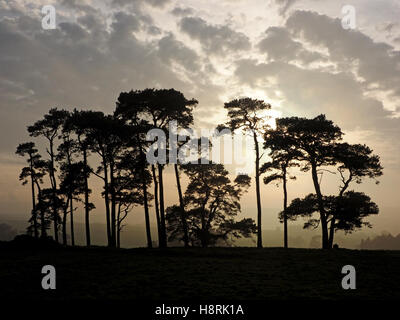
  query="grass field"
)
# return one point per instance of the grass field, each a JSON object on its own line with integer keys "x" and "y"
{"x": 179, "y": 274}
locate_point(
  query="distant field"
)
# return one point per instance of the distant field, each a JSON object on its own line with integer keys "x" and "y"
{"x": 178, "y": 274}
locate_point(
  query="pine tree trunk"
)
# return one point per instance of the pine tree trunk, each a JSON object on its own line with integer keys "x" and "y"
{"x": 64, "y": 226}
{"x": 54, "y": 189}
{"x": 113, "y": 206}
{"x": 119, "y": 228}
{"x": 72, "y": 221}
{"x": 146, "y": 210}
{"x": 333, "y": 220}
{"x": 107, "y": 202}
{"x": 43, "y": 233}
{"x": 34, "y": 214}
{"x": 163, "y": 240}
{"x": 324, "y": 225}
{"x": 257, "y": 178}
{"x": 285, "y": 200}
{"x": 182, "y": 207}
{"x": 87, "y": 211}
{"x": 332, "y": 233}
{"x": 156, "y": 204}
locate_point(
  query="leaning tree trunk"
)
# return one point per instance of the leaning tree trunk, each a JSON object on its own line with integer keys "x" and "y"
{"x": 333, "y": 220}
{"x": 257, "y": 178}
{"x": 182, "y": 207}
{"x": 324, "y": 224}
{"x": 156, "y": 204}
{"x": 285, "y": 200}
{"x": 163, "y": 233}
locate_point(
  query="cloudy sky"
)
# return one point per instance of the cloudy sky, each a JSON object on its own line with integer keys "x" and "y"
{"x": 294, "y": 54}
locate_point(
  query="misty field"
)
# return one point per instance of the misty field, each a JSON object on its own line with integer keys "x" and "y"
{"x": 193, "y": 275}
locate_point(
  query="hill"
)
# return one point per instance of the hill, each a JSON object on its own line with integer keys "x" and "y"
{"x": 195, "y": 274}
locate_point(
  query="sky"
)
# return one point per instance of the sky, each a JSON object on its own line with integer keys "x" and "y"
{"x": 294, "y": 54}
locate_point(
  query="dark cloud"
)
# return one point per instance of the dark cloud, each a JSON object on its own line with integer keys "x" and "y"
{"x": 154, "y": 3}
{"x": 216, "y": 39}
{"x": 280, "y": 46}
{"x": 125, "y": 24}
{"x": 172, "y": 50}
{"x": 182, "y": 11}
{"x": 83, "y": 64}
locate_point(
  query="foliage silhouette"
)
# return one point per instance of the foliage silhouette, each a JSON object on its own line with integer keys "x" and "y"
{"x": 207, "y": 209}
{"x": 211, "y": 203}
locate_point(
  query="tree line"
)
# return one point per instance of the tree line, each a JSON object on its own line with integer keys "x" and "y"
{"x": 206, "y": 213}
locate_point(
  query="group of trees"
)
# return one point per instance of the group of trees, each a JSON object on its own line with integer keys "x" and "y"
{"x": 205, "y": 215}
{"x": 315, "y": 145}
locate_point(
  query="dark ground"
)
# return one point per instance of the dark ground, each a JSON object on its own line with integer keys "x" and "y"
{"x": 179, "y": 274}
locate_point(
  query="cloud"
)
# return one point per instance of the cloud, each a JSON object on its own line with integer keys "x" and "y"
{"x": 309, "y": 92}
{"x": 182, "y": 11}
{"x": 84, "y": 64}
{"x": 125, "y": 24}
{"x": 215, "y": 39}
{"x": 280, "y": 46}
{"x": 154, "y": 3}
{"x": 285, "y": 5}
{"x": 172, "y": 50}
{"x": 377, "y": 63}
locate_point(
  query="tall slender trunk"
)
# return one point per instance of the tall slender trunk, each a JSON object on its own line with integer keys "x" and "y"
{"x": 324, "y": 225}
{"x": 145, "y": 196}
{"x": 156, "y": 204}
{"x": 34, "y": 214}
{"x": 182, "y": 207}
{"x": 107, "y": 202}
{"x": 163, "y": 233}
{"x": 43, "y": 233}
{"x": 285, "y": 200}
{"x": 71, "y": 209}
{"x": 257, "y": 178}
{"x": 113, "y": 206}
{"x": 118, "y": 235}
{"x": 146, "y": 209}
{"x": 71, "y": 205}
{"x": 87, "y": 209}
{"x": 54, "y": 189}
{"x": 64, "y": 225}
{"x": 332, "y": 232}
{"x": 119, "y": 227}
